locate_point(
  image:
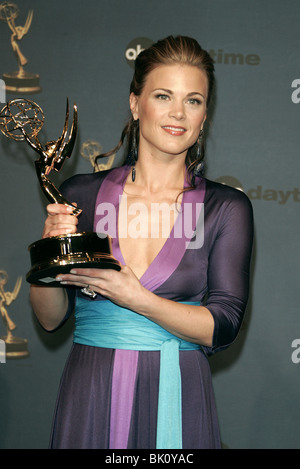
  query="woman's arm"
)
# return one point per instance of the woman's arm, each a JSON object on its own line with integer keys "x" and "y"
{"x": 50, "y": 304}
{"x": 189, "y": 322}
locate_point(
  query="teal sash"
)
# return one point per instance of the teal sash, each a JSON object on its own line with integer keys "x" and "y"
{"x": 104, "y": 324}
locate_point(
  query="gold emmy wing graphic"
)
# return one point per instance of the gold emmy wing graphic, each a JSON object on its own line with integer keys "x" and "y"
{"x": 22, "y": 120}
{"x": 16, "y": 347}
{"x": 19, "y": 81}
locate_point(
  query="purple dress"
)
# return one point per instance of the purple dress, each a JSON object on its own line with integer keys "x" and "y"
{"x": 215, "y": 272}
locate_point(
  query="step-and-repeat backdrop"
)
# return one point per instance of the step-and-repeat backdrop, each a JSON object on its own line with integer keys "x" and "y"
{"x": 84, "y": 51}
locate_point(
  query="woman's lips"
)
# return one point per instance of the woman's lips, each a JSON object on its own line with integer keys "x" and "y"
{"x": 173, "y": 130}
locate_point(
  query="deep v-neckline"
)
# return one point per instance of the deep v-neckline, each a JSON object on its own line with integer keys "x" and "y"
{"x": 118, "y": 230}
{"x": 172, "y": 251}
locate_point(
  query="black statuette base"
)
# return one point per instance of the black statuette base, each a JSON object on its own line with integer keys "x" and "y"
{"x": 60, "y": 254}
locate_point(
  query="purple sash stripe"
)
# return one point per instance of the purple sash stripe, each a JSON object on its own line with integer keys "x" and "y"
{"x": 123, "y": 384}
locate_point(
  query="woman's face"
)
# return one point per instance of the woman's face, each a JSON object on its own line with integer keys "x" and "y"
{"x": 171, "y": 109}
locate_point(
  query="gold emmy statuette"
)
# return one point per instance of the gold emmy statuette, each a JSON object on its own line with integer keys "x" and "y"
{"x": 15, "y": 347}
{"x": 19, "y": 81}
{"x": 22, "y": 119}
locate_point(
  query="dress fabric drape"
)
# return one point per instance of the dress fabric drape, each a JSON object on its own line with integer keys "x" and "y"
{"x": 215, "y": 270}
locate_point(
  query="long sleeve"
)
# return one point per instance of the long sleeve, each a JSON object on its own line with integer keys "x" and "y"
{"x": 229, "y": 268}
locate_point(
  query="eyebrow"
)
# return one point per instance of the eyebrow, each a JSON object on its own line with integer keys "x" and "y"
{"x": 171, "y": 92}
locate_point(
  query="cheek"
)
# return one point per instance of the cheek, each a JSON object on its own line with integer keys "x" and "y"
{"x": 199, "y": 120}
{"x": 149, "y": 117}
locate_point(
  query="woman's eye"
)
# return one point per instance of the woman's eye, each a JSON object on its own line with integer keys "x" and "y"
{"x": 195, "y": 101}
{"x": 162, "y": 96}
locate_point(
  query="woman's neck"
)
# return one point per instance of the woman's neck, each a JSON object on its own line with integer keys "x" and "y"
{"x": 156, "y": 176}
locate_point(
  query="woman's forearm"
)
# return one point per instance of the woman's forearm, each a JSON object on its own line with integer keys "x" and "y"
{"x": 49, "y": 304}
{"x": 188, "y": 322}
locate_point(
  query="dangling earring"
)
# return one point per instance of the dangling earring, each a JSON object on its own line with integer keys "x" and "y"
{"x": 133, "y": 174}
{"x": 133, "y": 155}
{"x": 199, "y": 145}
{"x": 199, "y": 167}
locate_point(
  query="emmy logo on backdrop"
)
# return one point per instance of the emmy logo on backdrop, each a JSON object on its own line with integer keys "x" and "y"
{"x": 15, "y": 347}
{"x": 19, "y": 81}
{"x": 90, "y": 150}
{"x": 22, "y": 120}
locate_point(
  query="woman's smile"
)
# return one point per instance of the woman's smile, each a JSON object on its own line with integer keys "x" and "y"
{"x": 173, "y": 130}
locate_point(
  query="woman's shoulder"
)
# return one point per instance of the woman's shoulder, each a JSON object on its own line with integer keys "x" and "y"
{"x": 83, "y": 190}
{"x": 84, "y": 180}
{"x": 224, "y": 193}
{"x": 231, "y": 206}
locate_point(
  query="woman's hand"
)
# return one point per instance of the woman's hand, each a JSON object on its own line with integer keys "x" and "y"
{"x": 59, "y": 221}
{"x": 122, "y": 287}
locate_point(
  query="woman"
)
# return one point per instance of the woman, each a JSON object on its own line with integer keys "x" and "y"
{"x": 137, "y": 375}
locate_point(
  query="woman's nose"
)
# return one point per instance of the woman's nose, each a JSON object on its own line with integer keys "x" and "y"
{"x": 177, "y": 110}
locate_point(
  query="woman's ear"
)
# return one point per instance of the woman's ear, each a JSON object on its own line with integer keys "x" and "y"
{"x": 133, "y": 102}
